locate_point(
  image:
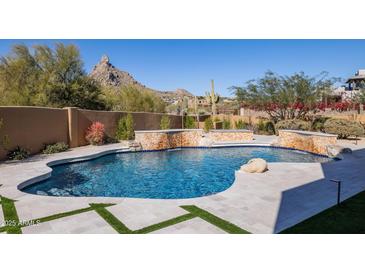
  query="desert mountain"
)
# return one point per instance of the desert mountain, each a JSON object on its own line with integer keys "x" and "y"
{"x": 108, "y": 75}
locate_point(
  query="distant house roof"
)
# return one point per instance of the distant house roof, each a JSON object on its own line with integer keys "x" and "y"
{"x": 359, "y": 76}
{"x": 356, "y": 78}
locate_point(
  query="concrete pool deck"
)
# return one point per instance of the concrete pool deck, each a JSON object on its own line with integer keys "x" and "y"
{"x": 260, "y": 203}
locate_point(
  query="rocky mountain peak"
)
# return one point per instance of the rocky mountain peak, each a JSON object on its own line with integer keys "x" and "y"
{"x": 108, "y": 75}
{"x": 104, "y": 59}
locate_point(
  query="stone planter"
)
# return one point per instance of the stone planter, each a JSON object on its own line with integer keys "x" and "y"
{"x": 231, "y": 135}
{"x": 175, "y": 138}
{"x": 315, "y": 142}
{"x": 166, "y": 139}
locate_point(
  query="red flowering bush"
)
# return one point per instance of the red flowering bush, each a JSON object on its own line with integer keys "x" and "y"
{"x": 95, "y": 134}
{"x": 342, "y": 106}
{"x": 321, "y": 106}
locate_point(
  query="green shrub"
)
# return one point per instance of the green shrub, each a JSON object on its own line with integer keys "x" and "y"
{"x": 261, "y": 125}
{"x": 226, "y": 124}
{"x": 270, "y": 127}
{"x": 293, "y": 124}
{"x": 18, "y": 153}
{"x": 125, "y": 128}
{"x": 55, "y": 148}
{"x": 189, "y": 122}
{"x": 165, "y": 122}
{"x": 343, "y": 128}
{"x": 265, "y": 127}
{"x": 318, "y": 123}
{"x": 208, "y": 124}
{"x": 240, "y": 124}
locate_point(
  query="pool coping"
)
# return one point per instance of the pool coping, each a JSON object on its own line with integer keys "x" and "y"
{"x": 167, "y": 130}
{"x": 63, "y": 161}
{"x": 193, "y": 129}
{"x": 308, "y": 133}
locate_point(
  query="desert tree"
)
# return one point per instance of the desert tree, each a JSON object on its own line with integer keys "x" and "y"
{"x": 284, "y": 97}
{"x": 46, "y": 76}
{"x": 132, "y": 98}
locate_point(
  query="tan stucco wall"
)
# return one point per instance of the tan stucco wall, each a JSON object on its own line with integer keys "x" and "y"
{"x": 304, "y": 140}
{"x": 142, "y": 121}
{"x": 254, "y": 117}
{"x": 33, "y": 127}
{"x": 251, "y": 119}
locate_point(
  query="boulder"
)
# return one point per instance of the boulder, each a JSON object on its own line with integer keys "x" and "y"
{"x": 337, "y": 151}
{"x": 256, "y": 165}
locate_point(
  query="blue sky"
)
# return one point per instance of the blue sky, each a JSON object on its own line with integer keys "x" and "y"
{"x": 190, "y": 64}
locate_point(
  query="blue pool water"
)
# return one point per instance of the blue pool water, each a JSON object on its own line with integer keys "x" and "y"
{"x": 184, "y": 173}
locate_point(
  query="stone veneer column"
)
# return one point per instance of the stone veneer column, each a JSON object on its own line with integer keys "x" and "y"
{"x": 73, "y": 126}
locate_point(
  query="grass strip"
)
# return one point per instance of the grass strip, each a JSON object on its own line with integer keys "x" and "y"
{"x": 164, "y": 224}
{"x": 347, "y": 218}
{"x": 111, "y": 219}
{"x": 2, "y": 228}
{"x": 123, "y": 229}
{"x": 57, "y": 216}
{"x": 10, "y": 216}
{"x": 214, "y": 220}
{"x": 65, "y": 214}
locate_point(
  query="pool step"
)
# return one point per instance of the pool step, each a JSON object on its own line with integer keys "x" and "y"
{"x": 135, "y": 146}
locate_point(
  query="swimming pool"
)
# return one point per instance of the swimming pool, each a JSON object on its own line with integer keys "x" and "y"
{"x": 169, "y": 174}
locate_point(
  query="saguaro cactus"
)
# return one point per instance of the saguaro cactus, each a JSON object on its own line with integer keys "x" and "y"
{"x": 212, "y": 99}
{"x": 195, "y": 105}
{"x": 196, "y": 109}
